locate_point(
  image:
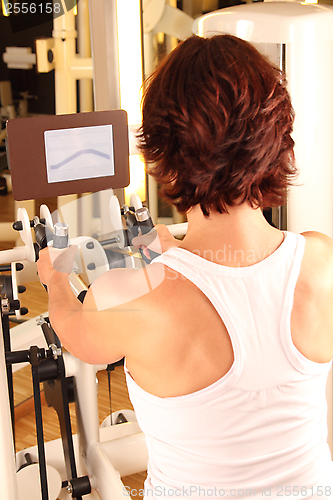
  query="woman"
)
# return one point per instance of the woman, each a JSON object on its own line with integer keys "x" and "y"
{"x": 228, "y": 334}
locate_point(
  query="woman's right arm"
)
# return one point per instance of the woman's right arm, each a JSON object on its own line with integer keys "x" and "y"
{"x": 312, "y": 315}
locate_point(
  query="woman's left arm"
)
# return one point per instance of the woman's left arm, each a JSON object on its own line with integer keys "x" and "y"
{"x": 116, "y": 309}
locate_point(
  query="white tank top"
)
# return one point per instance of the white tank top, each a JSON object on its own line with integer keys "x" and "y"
{"x": 261, "y": 430}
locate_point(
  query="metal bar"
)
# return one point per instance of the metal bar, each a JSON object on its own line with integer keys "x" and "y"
{"x": 39, "y": 422}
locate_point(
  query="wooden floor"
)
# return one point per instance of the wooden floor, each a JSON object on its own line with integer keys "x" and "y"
{"x": 35, "y": 299}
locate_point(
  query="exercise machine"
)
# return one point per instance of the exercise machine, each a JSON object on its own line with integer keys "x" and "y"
{"x": 56, "y": 156}
{"x": 91, "y": 463}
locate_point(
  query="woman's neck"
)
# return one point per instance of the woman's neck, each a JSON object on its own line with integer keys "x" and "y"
{"x": 238, "y": 238}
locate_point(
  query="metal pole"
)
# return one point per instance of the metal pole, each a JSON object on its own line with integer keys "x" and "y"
{"x": 8, "y": 486}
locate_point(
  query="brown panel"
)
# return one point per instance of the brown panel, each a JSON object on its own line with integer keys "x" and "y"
{"x": 27, "y": 160}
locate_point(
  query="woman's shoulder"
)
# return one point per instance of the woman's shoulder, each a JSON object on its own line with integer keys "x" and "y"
{"x": 318, "y": 238}
{"x": 319, "y": 246}
{"x": 318, "y": 259}
{"x": 118, "y": 287}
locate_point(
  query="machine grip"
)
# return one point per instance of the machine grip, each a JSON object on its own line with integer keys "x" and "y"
{"x": 145, "y": 225}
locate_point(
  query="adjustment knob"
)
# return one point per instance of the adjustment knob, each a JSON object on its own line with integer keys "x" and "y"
{"x": 60, "y": 236}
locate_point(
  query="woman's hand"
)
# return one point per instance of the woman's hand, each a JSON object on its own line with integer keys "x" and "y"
{"x": 158, "y": 240}
{"x": 55, "y": 260}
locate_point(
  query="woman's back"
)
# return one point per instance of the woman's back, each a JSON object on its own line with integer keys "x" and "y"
{"x": 188, "y": 346}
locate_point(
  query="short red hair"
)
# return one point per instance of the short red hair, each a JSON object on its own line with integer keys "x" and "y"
{"x": 217, "y": 123}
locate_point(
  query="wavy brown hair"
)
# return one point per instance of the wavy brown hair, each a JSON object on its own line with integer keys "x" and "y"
{"x": 217, "y": 123}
